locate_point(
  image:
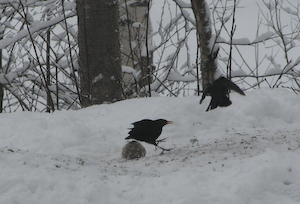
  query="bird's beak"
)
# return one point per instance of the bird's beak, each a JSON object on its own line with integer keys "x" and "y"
{"x": 170, "y": 122}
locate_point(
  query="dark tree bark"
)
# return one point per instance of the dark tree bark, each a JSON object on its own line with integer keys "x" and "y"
{"x": 98, "y": 41}
{"x": 208, "y": 54}
{"x": 1, "y": 85}
{"x": 48, "y": 73}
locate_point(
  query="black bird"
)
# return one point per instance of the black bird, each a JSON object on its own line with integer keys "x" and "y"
{"x": 148, "y": 131}
{"x": 218, "y": 91}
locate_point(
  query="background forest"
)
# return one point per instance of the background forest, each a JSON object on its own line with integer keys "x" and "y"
{"x": 40, "y": 55}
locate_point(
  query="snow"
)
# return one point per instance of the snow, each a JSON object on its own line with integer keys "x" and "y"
{"x": 137, "y": 25}
{"x": 129, "y": 70}
{"x": 235, "y": 41}
{"x": 59, "y": 36}
{"x": 245, "y": 153}
{"x": 264, "y": 36}
{"x": 97, "y": 78}
{"x": 273, "y": 71}
{"x": 183, "y": 4}
{"x": 187, "y": 15}
{"x": 238, "y": 72}
{"x": 289, "y": 10}
{"x": 241, "y": 41}
{"x": 10, "y": 76}
{"x": 37, "y": 27}
{"x": 173, "y": 76}
{"x": 143, "y": 50}
{"x": 133, "y": 45}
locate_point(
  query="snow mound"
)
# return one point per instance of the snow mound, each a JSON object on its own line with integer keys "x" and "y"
{"x": 245, "y": 153}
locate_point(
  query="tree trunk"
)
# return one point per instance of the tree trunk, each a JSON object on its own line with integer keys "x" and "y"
{"x": 99, "y": 47}
{"x": 1, "y": 85}
{"x": 48, "y": 71}
{"x": 207, "y": 50}
{"x": 137, "y": 57}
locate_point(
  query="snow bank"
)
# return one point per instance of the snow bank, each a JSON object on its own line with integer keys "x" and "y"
{"x": 245, "y": 153}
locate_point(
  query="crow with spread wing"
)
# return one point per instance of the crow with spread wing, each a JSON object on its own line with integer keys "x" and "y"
{"x": 219, "y": 92}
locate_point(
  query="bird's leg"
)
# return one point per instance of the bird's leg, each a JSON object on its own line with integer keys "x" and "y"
{"x": 162, "y": 140}
{"x": 209, "y": 106}
{"x": 203, "y": 97}
{"x": 205, "y": 92}
{"x": 162, "y": 149}
{"x": 207, "y": 109}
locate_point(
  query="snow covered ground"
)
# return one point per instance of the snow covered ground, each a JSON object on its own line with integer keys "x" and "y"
{"x": 247, "y": 153}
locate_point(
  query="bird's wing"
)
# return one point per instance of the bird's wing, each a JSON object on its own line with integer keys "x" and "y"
{"x": 142, "y": 122}
{"x": 229, "y": 85}
{"x": 234, "y": 87}
{"x": 137, "y": 133}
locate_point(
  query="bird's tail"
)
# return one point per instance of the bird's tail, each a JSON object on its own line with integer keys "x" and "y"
{"x": 225, "y": 102}
{"x": 235, "y": 88}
